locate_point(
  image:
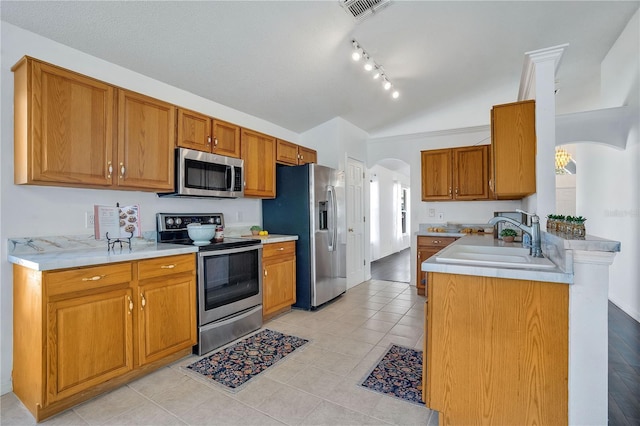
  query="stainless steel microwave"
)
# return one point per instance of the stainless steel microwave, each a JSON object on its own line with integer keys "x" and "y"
{"x": 201, "y": 174}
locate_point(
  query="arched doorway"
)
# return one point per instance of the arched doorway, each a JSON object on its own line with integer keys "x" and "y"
{"x": 390, "y": 189}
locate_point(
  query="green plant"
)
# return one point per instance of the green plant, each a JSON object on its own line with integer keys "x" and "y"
{"x": 580, "y": 219}
{"x": 256, "y": 228}
{"x": 508, "y": 232}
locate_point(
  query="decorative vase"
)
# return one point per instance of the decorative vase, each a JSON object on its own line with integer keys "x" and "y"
{"x": 579, "y": 230}
{"x": 508, "y": 239}
{"x": 254, "y": 232}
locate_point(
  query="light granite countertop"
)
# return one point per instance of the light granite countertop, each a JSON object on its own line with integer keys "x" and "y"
{"x": 556, "y": 275}
{"x": 272, "y": 238}
{"x": 555, "y": 247}
{"x": 60, "y": 252}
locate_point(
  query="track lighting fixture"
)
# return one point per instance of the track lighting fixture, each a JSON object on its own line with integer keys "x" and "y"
{"x": 357, "y": 52}
{"x": 370, "y": 65}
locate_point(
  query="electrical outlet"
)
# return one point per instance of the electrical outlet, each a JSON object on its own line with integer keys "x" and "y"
{"x": 440, "y": 216}
{"x": 432, "y": 212}
{"x": 89, "y": 220}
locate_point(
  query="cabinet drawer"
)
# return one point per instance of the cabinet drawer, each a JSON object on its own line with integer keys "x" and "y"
{"x": 435, "y": 241}
{"x": 160, "y": 266}
{"x": 287, "y": 248}
{"x": 87, "y": 278}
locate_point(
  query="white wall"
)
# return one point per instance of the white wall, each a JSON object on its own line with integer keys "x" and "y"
{"x": 47, "y": 211}
{"x": 385, "y": 225}
{"x": 608, "y": 180}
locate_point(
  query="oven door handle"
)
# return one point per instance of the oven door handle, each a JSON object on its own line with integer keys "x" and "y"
{"x": 332, "y": 213}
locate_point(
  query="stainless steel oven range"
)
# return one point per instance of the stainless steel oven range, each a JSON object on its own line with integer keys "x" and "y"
{"x": 229, "y": 280}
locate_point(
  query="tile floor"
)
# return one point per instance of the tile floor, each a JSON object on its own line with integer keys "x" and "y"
{"x": 314, "y": 386}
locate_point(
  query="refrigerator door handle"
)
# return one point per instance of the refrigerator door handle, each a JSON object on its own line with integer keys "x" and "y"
{"x": 333, "y": 229}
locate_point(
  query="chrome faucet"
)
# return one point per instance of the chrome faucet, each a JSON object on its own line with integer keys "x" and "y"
{"x": 533, "y": 230}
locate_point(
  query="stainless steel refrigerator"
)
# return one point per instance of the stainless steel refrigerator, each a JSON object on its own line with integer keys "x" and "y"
{"x": 310, "y": 203}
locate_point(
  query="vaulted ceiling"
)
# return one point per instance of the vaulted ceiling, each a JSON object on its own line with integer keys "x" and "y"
{"x": 288, "y": 62}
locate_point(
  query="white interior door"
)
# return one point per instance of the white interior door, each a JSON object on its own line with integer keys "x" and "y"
{"x": 355, "y": 222}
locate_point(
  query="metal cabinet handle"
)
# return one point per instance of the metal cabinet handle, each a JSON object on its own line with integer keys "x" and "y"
{"x": 215, "y": 142}
{"x": 122, "y": 170}
{"x": 456, "y": 191}
{"x": 144, "y": 301}
{"x": 436, "y": 241}
{"x": 209, "y": 140}
{"x": 110, "y": 169}
{"x": 94, "y": 278}
{"x": 419, "y": 254}
{"x": 168, "y": 266}
{"x": 265, "y": 272}
{"x": 449, "y": 190}
{"x": 281, "y": 249}
{"x": 130, "y": 305}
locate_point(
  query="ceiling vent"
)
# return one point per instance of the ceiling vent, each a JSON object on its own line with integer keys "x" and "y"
{"x": 362, "y": 9}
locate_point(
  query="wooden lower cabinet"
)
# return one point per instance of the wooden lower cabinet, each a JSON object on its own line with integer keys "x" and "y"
{"x": 90, "y": 341}
{"x": 167, "y": 315}
{"x": 75, "y": 333}
{"x": 279, "y": 279}
{"x": 497, "y": 350}
{"x": 427, "y": 247}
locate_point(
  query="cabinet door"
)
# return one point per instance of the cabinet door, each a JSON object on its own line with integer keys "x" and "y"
{"x": 279, "y": 285}
{"x": 146, "y": 137}
{"x": 63, "y": 127}
{"x": 307, "y": 155}
{"x": 470, "y": 172}
{"x": 226, "y": 139}
{"x": 421, "y": 277}
{"x": 167, "y": 321}
{"x": 427, "y": 247}
{"x": 436, "y": 175}
{"x": 194, "y": 130}
{"x": 89, "y": 341}
{"x": 513, "y": 146}
{"x": 286, "y": 152}
{"x": 259, "y": 155}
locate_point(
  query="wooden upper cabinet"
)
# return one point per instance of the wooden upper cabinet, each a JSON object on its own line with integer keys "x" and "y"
{"x": 455, "y": 174}
{"x": 293, "y": 155}
{"x": 471, "y": 173}
{"x": 203, "y": 133}
{"x": 226, "y": 139}
{"x": 194, "y": 130}
{"x": 307, "y": 155}
{"x": 259, "y": 155}
{"x": 64, "y": 127}
{"x": 513, "y": 150}
{"x": 286, "y": 152}
{"x": 437, "y": 181}
{"x": 65, "y": 132}
{"x": 146, "y": 135}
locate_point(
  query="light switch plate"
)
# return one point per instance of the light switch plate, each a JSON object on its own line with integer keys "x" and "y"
{"x": 432, "y": 212}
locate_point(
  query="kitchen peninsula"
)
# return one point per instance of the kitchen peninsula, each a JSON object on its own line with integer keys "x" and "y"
{"x": 519, "y": 345}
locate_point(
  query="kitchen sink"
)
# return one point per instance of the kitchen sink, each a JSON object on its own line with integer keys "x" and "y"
{"x": 497, "y": 256}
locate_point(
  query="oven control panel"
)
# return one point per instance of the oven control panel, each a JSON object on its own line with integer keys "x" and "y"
{"x": 179, "y": 221}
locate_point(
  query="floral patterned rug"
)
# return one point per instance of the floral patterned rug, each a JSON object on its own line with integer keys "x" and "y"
{"x": 398, "y": 374}
{"x": 237, "y": 364}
